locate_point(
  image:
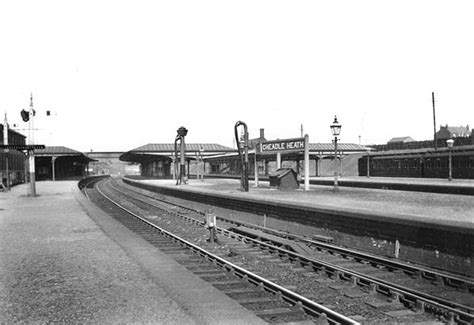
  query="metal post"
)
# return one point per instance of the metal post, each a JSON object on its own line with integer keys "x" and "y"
{"x": 335, "y": 130}
{"x": 306, "y": 162}
{"x": 336, "y": 187}
{"x": 200, "y": 168}
{"x": 368, "y": 162}
{"x": 450, "y": 178}
{"x": 246, "y": 149}
{"x": 182, "y": 162}
{"x": 182, "y": 132}
{"x": 256, "y": 169}
{"x": 244, "y": 159}
{"x": 434, "y": 121}
{"x": 175, "y": 160}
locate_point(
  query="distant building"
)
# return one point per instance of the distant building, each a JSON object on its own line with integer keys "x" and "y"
{"x": 16, "y": 159}
{"x": 108, "y": 163}
{"x": 401, "y": 140}
{"x": 253, "y": 143}
{"x": 448, "y": 132}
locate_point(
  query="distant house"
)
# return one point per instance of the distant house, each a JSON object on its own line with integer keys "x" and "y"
{"x": 448, "y": 132}
{"x": 401, "y": 140}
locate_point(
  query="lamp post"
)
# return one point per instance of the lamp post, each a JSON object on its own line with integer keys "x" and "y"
{"x": 335, "y": 130}
{"x": 182, "y": 132}
{"x": 202, "y": 165}
{"x": 450, "y": 144}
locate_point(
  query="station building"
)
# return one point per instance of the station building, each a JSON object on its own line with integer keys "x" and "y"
{"x": 16, "y": 159}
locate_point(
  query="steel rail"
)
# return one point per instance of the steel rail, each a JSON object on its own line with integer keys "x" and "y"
{"x": 421, "y": 300}
{"x": 344, "y": 251}
{"x": 309, "y": 306}
{"x": 432, "y": 274}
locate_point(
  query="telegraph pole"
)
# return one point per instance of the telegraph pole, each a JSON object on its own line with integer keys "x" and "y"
{"x": 434, "y": 121}
{"x": 31, "y": 155}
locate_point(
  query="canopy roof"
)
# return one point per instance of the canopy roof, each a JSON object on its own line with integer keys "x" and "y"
{"x": 190, "y": 147}
{"x": 165, "y": 151}
{"x": 59, "y": 151}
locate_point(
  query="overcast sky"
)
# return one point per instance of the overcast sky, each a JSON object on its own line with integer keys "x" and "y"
{"x": 120, "y": 74}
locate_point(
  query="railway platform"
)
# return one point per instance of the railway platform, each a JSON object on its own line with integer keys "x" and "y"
{"x": 63, "y": 260}
{"x": 428, "y": 185}
{"x": 413, "y": 184}
{"x": 423, "y": 207}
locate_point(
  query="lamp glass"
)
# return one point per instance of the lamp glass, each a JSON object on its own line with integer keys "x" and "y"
{"x": 335, "y": 127}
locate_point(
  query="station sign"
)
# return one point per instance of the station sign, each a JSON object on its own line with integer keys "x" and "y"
{"x": 285, "y": 145}
{"x": 22, "y": 147}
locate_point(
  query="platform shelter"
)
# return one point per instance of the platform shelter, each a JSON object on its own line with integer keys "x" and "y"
{"x": 60, "y": 163}
{"x": 321, "y": 160}
{"x": 157, "y": 159}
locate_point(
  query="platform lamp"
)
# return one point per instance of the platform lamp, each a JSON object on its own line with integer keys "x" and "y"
{"x": 335, "y": 130}
{"x": 182, "y": 132}
{"x": 450, "y": 143}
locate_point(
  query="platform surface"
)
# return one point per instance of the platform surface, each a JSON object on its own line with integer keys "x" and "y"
{"x": 63, "y": 260}
{"x": 404, "y": 180}
{"x": 443, "y": 209}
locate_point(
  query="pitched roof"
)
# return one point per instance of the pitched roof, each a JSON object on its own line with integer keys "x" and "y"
{"x": 340, "y": 146}
{"x": 401, "y": 139}
{"x": 60, "y": 151}
{"x": 195, "y": 147}
{"x": 459, "y": 131}
{"x": 56, "y": 150}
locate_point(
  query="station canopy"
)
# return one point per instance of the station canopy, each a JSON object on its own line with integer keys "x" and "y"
{"x": 316, "y": 151}
{"x": 165, "y": 151}
{"x": 59, "y": 151}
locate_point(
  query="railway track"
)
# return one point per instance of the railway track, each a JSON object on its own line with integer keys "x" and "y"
{"x": 345, "y": 281}
{"x": 271, "y": 302}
